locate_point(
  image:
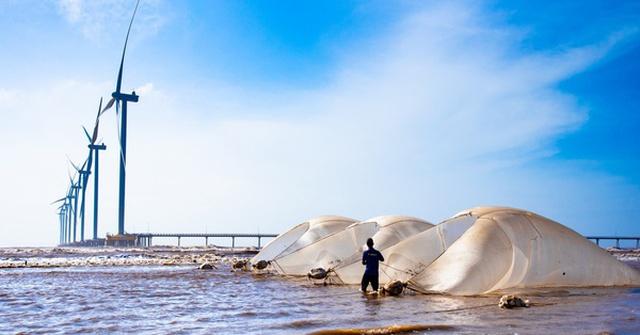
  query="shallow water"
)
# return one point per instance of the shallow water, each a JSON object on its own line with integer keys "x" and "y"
{"x": 184, "y": 300}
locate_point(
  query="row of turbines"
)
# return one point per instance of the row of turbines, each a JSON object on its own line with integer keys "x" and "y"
{"x": 68, "y": 210}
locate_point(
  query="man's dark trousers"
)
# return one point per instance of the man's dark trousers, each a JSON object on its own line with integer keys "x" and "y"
{"x": 369, "y": 278}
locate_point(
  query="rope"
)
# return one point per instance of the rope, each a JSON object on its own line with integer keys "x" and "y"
{"x": 411, "y": 285}
{"x": 400, "y": 270}
{"x": 331, "y": 295}
{"x": 485, "y": 305}
{"x": 385, "y": 273}
{"x": 461, "y": 308}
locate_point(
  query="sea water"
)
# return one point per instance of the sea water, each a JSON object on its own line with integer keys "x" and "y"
{"x": 185, "y": 300}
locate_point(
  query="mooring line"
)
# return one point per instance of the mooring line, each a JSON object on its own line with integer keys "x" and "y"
{"x": 461, "y": 308}
{"x": 331, "y": 295}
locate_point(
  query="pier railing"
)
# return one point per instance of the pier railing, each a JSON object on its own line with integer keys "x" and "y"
{"x": 146, "y": 239}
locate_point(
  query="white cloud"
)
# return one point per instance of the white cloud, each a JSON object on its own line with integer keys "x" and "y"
{"x": 72, "y": 9}
{"x": 8, "y": 96}
{"x": 96, "y": 18}
{"x": 144, "y": 89}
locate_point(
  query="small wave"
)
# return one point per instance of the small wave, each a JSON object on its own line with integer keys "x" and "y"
{"x": 297, "y": 324}
{"x": 389, "y": 330}
{"x": 247, "y": 314}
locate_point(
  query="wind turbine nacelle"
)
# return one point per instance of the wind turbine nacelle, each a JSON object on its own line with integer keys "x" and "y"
{"x": 125, "y": 97}
{"x": 97, "y": 146}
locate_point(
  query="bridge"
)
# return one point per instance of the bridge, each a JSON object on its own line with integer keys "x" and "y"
{"x": 146, "y": 239}
{"x": 615, "y": 238}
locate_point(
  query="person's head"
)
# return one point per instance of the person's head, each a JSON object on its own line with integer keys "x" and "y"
{"x": 370, "y": 242}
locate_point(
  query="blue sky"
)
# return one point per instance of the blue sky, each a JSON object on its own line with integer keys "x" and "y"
{"x": 258, "y": 115}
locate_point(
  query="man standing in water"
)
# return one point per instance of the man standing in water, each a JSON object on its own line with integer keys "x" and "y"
{"x": 370, "y": 259}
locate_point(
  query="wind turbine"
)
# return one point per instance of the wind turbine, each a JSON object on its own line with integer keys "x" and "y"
{"x": 61, "y": 224}
{"x": 84, "y": 175}
{"x": 67, "y": 205}
{"x": 81, "y": 173}
{"x": 74, "y": 197}
{"x": 122, "y": 99}
{"x": 94, "y": 150}
{"x": 68, "y": 223}
{"x": 64, "y": 216}
{"x": 82, "y": 182}
{"x": 60, "y": 213}
{"x": 69, "y": 217}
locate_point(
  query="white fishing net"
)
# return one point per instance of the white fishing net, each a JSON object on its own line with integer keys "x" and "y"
{"x": 510, "y": 248}
{"x": 342, "y": 251}
{"x": 301, "y": 236}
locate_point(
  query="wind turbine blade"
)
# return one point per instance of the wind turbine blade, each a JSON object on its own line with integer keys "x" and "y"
{"x": 108, "y": 106}
{"x": 57, "y": 201}
{"x": 94, "y": 135}
{"x": 89, "y": 160}
{"x": 86, "y": 133}
{"x": 74, "y": 166}
{"x": 84, "y": 164}
{"x": 95, "y": 128}
{"x": 99, "y": 109}
{"x": 124, "y": 50}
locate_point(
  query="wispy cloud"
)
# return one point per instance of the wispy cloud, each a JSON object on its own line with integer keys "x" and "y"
{"x": 96, "y": 18}
{"x": 7, "y": 96}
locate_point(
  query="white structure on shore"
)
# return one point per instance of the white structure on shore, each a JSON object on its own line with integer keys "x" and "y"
{"x": 340, "y": 251}
{"x": 386, "y": 231}
{"x": 477, "y": 251}
{"x": 509, "y": 248}
{"x": 409, "y": 257}
{"x": 299, "y": 237}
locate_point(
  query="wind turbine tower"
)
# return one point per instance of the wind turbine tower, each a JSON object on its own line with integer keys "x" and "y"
{"x": 82, "y": 179}
{"x": 75, "y": 188}
{"x": 123, "y": 99}
{"x": 60, "y": 224}
{"x": 94, "y": 153}
{"x": 69, "y": 220}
